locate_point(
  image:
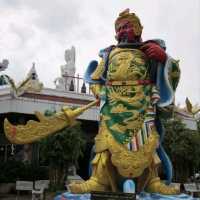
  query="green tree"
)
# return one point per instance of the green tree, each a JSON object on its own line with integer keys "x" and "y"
{"x": 198, "y": 126}
{"x": 60, "y": 151}
{"x": 182, "y": 145}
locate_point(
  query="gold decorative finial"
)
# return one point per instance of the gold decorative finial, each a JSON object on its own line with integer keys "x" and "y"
{"x": 125, "y": 12}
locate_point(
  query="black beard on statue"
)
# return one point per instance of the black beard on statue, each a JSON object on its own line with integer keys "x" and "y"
{"x": 132, "y": 45}
{"x": 124, "y": 43}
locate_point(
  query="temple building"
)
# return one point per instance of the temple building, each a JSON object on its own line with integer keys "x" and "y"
{"x": 18, "y": 102}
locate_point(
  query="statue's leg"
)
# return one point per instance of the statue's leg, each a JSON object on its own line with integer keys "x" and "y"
{"x": 100, "y": 180}
{"x": 155, "y": 185}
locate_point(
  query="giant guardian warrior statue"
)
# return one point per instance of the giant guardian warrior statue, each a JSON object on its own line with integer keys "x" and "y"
{"x": 133, "y": 80}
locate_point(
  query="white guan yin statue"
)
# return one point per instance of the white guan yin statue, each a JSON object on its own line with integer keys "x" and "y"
{"x": 3, "y": 66}
{"x": 66, "y": 81}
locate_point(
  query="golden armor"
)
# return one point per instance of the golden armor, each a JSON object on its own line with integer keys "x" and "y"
{"x": 124, "y": 117}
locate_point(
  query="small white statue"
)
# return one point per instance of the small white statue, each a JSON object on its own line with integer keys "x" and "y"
{"x": 66, "y": 81}
{"x": 4, "y": 64}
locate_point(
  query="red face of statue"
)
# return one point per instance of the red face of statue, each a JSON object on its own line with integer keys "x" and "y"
{"x": 124, "y": 31}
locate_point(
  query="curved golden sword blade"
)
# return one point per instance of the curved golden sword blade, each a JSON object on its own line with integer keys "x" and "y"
{"x": 33, "y": 130}
{"x": 36, "y": 130}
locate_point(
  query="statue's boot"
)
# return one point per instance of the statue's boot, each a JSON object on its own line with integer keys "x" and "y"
{"x": 155, "y": 185}
{"x": 100, "y": 179}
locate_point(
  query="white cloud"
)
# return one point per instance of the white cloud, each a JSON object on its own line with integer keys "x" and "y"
{"x": 40, "y": 31}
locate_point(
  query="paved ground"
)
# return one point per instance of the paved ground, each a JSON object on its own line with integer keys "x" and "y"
{"x": 14, "y": 197}
{"x": 24, "y": 197}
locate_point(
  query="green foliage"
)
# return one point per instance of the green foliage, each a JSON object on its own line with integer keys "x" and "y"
{"x": 16, "y": 170}
{"x": 48, "y": 113}
{"x": 60, "y": 151}
{"x": 182, "y": 145}
{"x": 63, "y": 148}
{"x": 198, "y": 125}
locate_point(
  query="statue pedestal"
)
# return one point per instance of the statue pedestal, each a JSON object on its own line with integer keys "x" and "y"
{"x": 112, "y": 196}
{"x": 142, "y": 196}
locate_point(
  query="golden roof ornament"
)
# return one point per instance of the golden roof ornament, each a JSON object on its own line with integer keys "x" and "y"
{"x": 30, "y": 84}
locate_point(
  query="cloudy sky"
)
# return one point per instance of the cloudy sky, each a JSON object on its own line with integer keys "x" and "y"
{"x": 40, "y": 30}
